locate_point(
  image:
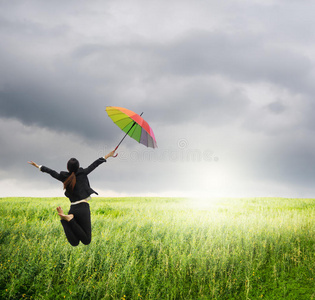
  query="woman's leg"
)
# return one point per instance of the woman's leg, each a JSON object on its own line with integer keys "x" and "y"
{"x": 71, "y": 237}
{"x": 77, "y": 224}
{"x": 65, "y": 219}
{"x": 82, "y": 222}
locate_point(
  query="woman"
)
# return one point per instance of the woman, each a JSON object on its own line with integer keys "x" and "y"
{"x": 77, "y": 223}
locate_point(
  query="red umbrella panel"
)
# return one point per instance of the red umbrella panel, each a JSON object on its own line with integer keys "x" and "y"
{"x": 133, "y": 125}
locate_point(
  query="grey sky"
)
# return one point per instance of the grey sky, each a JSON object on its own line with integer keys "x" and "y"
{"x": 227, "y": 87}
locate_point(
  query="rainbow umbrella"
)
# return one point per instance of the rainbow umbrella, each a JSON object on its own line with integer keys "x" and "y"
{"x": 133, "y": 124}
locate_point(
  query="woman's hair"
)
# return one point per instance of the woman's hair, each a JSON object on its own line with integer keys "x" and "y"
{"x": 73, "y": 166}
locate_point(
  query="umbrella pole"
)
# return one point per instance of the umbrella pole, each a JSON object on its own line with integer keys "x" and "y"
{"x": 125, "y": 135}
{"x": 134, "y": 123}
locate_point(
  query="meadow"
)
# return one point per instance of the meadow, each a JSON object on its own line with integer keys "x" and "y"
{"x": 160, "y": 248}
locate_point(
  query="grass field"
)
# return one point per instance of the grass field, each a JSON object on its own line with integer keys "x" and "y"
{"x": 160, "y": 248}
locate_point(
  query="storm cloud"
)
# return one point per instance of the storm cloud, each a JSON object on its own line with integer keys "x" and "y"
{"x": 227, "y": 88}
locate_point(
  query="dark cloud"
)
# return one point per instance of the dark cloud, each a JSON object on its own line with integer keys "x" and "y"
{"x": 290, "y": 162}
{"x": 43, "y": 107}
{"x": 276, "y": 107}
{"x": 147, "y": 75}
{"x": 239, "y": 80}
{"x": 242, "y": 57}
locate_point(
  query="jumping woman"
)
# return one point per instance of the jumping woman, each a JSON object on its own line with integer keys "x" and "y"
{"x": 77, "y": 223}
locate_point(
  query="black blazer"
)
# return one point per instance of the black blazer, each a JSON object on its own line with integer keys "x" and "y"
{"x": 82, "y": 187}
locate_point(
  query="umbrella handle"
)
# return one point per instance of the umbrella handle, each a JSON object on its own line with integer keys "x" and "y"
{"x": 116, "y": 153}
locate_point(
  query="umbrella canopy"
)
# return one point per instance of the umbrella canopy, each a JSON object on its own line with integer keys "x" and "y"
{"x": 133, "y": 124}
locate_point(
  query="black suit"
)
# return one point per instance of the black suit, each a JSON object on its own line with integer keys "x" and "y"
{"x": 82, "y": 187}
{"x": 78, "y": 228}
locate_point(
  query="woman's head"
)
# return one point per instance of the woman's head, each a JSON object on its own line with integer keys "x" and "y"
{"x": 73, "y": 165}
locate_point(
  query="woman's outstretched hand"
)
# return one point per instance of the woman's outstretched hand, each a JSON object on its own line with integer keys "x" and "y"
{"x": 33, "y": 164}
{"x": 110, "y": 154}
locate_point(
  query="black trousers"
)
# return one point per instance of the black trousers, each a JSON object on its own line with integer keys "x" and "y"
{"x": 79, "y": 228}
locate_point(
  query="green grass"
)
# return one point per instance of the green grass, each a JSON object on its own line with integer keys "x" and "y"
{"x": 160, "y": 248}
